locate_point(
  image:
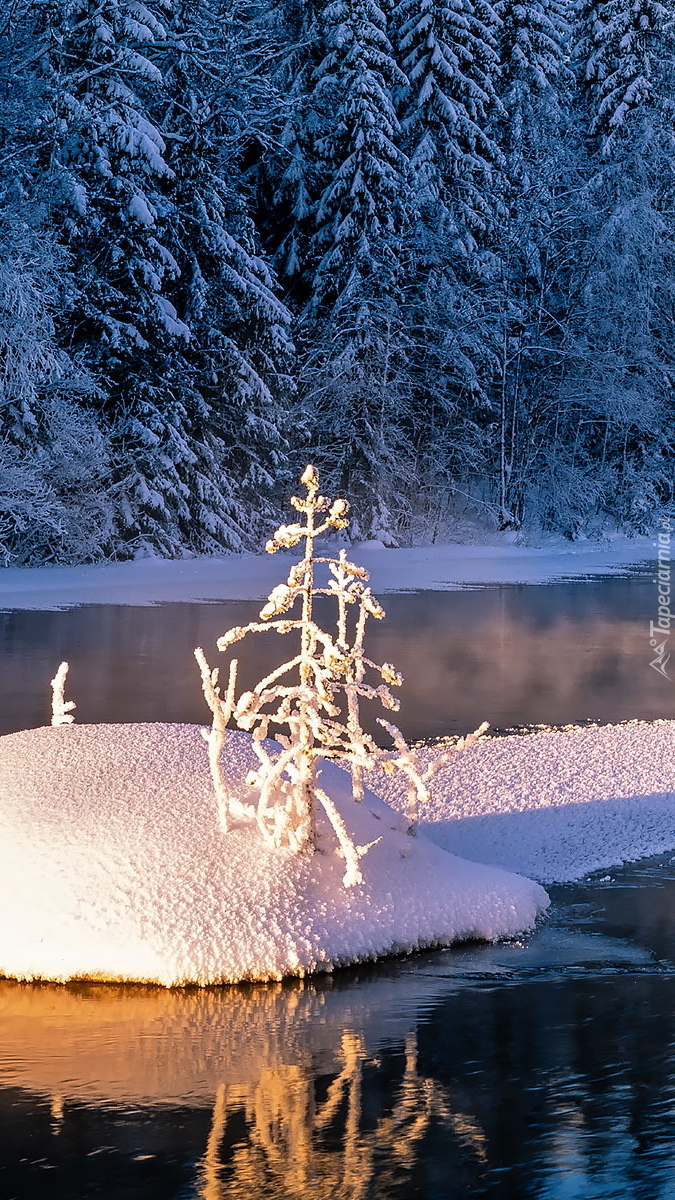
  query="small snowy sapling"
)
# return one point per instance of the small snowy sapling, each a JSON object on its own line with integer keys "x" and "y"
{"x": 318, "y": 707}
{"x": 61, "y": 708}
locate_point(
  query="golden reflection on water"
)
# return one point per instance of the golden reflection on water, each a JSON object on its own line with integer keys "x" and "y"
{"x": 252, "y": 1052}
{"x": 384, "y": 1082}
{"x": 287, "y": 1152}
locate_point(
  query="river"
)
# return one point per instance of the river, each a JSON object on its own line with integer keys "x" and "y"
{"x": 512, "y": 655}
{"x": 539, "y": 1068}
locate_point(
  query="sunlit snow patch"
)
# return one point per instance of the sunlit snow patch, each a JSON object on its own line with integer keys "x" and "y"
{"x": 113, "y": 866}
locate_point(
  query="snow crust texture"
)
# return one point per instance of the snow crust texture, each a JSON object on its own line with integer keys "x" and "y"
{"x": 113, "y": 866}
{"x": 557, "y": 805}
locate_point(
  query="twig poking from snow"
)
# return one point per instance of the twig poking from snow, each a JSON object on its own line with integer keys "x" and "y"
{"x": 351, "y": 853}
{"x": 406, "y": 760}
{"x": 222, "y": 711}
{"x": 61, "y": 708}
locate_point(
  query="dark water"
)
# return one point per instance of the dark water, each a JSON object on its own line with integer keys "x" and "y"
{"x": 513, "y": 655}
{"x": 537, "y": 1069}
{"x": 543, "y": 1068}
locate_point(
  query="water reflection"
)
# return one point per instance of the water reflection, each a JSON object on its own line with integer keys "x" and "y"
{"x": 511, "y": 655}
{"x": 492, "y": 1072}
{"x": 302, "y": 1141}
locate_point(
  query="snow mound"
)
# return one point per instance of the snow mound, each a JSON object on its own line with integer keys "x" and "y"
{"x": 112, "y": 866}
{"x": 556, "y": 805}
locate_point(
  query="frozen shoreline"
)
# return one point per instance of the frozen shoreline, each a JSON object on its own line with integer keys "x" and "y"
{"x": 113, "y": 867}
{"x": 112, "y": 864}
{"x": 558, "y": 804}
{"x": 251, "y": 576}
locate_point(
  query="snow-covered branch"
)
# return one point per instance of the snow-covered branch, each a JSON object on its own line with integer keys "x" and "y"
{"x": 61, "y": 708}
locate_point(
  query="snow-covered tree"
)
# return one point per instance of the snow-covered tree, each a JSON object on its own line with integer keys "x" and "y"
{"x": 361, "y": 211}
{"x": 449, "y": 55}
{"x": 620, "y": 387}
{"x": 353, "y": 321}
{"x": 54, "y": 458}
{"x": 534, "y": 80}
{"x": 621, "y": 55}
{"x": 533, "y": 131}
{"x": 319, "y": 705}
{"x": 108, "y": 172}
{"x": 240, "y": 354}
{"x": 108, "y": 159}
{"x": 289, "y": 175}
{"x": 173, "y": 310}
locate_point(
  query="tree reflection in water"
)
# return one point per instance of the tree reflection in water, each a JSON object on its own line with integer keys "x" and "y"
{"x": 298, "y": 1146}
{"x": 410, "y": 1079}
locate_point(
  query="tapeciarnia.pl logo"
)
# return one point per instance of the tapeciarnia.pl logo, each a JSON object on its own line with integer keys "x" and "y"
{"x": 661, "y": 627}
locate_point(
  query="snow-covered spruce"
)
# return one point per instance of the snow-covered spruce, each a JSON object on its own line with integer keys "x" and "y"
{"x": 113, "y": 866}
{"x": 319, "y": 705}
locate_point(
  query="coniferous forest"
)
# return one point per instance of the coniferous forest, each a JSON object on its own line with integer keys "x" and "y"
{"x": 428, "y": 245}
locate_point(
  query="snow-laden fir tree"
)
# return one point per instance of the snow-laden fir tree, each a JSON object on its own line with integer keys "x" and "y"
{"x": 449, "y": 55}
{"x": 533, "y": 81}
{"x": 354, "y": 318}
{"x": 314, "y": 698}
{"x": 619, "y": 389}
{"x": 288, "y": 175}
{"x": 533, "y": 131}
{"x": 126, "y": 155}
{"x": 362, "y": 208}
{"x": 620, "y": 53}
{"x": 238, "y": 361}
{"x": 108, "y": 177}
{"x": 54, "y": 460}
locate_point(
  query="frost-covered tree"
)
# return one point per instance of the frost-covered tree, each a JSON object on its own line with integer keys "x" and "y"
{"x": 54, "y": 458}
{"x": 533, "y": 130}
{"x": 621, "y": 327}
{"x": 315, "y": 697}
{"x": 289, "y": 174}
{"x": 449, "y": 55}
{"x": 533, "y": 80}
{"x": 621, "y": 54}
{"x": 354, "y": 372}
{"x": 240, "y": 354}
{"x": 172, "y": 309}
{"x": 110, "y": 170}
{"x": 108, "y": 174}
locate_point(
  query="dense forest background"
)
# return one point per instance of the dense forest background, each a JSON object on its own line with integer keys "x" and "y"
{"x": 428, "y": 245}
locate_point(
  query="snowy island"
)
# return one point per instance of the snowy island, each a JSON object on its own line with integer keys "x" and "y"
{"x": 181, "y": 855}
{"x": 103, "y": 878}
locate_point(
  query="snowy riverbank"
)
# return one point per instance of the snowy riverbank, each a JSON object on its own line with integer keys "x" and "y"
{"x": 112, "y": 864}
{"x": 251, "y": 576}
{"x": 559, "y": 804}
